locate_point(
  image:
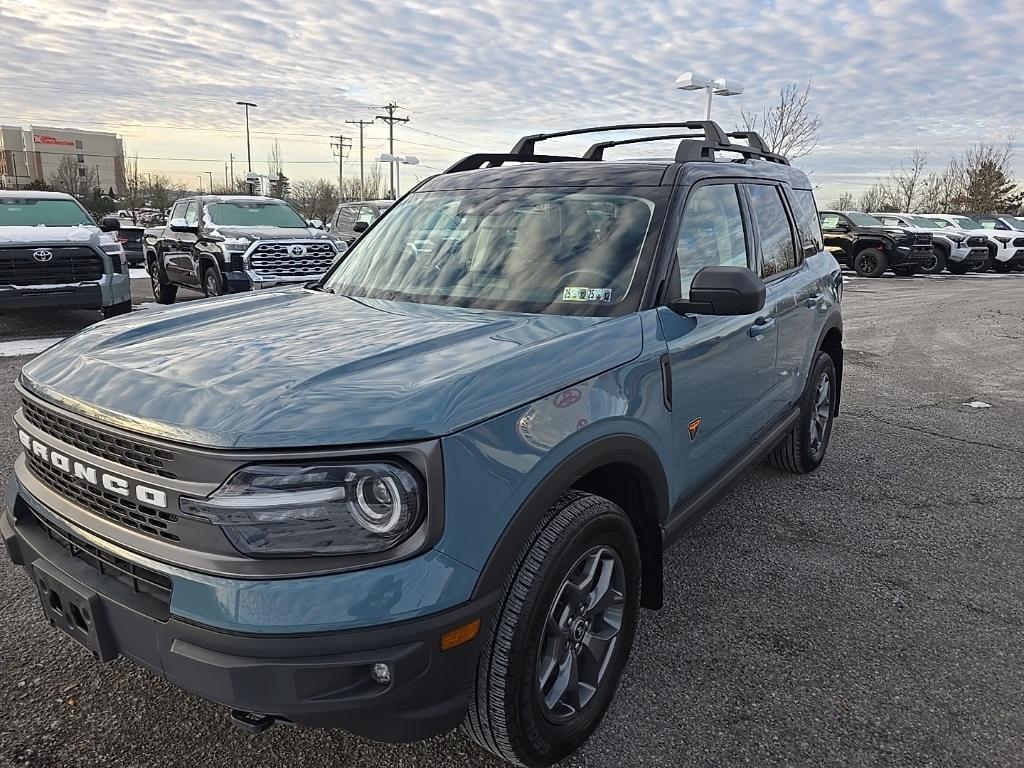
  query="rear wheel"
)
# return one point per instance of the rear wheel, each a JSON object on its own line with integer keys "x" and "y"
{"x": 163, "y": 291}
{"x": 560, "y": 636}
{"x": 870, "y": 262}
{"x": 803, "y": 449}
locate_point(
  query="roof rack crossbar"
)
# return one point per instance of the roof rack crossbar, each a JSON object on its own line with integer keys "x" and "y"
{"x": 495, "y": 159}
{"x": 753, "y": 139}
{"x": 712, "y": 131}
{"x": 596, "y": 151}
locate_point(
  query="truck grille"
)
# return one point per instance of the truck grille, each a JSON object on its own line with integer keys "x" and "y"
{"x": 977, "y": 241}
{"x": 1018, "y": 242}
{"x": 141, "y": 580}
{"x": 128, "y": 453}
{"x": 923, "y": 238}
{"x": 69, "y": 264}
{"x": 110, "y": 506}
{"x": 275, "y": 259}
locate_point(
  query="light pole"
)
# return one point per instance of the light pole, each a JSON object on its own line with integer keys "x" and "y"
{"x": 200, "y": 184}
{"x": 396, "y": 161}
{"x": 210, "y": 174}
{"x": 248, "y": 143}
{"x": 712, "y": 86}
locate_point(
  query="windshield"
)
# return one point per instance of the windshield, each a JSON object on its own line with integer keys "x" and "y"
{"x": 924, "y": 221}
{"x": 864, "y": 219}
{"x": 29, "y": 212}
{"x": 564, "y": 251}
{"x": 966, "y": 223}
{"x": 242, "y": 213}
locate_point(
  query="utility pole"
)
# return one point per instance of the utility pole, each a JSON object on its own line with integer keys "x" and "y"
{"x": 231, "y": 183}
{"x": 227, "y": 187}
{"x": 343, "y": 143}
{"x": 362, "y": 177}
{"x": 390, "y": 119}
{"x": 210, "y": 174}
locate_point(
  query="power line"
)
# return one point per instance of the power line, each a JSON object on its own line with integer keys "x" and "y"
{"x": 362, "y": 177}
{"x": 341, "y": 146}
{"x": 390, "y": 119}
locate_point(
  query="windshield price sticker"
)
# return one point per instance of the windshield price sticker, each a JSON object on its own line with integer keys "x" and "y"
{"x": 587, "y": 294}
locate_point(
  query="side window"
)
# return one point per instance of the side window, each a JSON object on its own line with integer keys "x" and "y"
{"x": 807, "y": 219}
{"x": 346, "y": 217}
{"x": 777, "y": 251}
{"x": 179, "y": 209}
{"x": 711, "y": 233}
{"x": 830, "y": 220}
{"x": 367, "y": 213}
{"x": 988, "y": 224}
{"x": 192, "y": 214}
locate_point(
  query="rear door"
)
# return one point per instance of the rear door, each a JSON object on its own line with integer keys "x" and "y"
{"x": 723, "y": 368}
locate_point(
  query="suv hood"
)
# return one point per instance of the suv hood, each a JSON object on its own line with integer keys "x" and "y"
{"x": 79, "y": 234}
{"x": 298, "y": 368}
{"x": 268, "y": 233}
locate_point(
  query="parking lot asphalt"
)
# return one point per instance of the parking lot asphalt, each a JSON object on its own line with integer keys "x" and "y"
{"x": 867, "y": 615}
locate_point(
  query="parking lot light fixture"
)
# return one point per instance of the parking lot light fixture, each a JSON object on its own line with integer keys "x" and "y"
{"x": 248, "y": 143}
{"x": 397, "y": 160}
{"x": 712, "y": 86}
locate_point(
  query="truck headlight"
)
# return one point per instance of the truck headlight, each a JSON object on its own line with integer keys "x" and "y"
{"x": 327, "y": 508}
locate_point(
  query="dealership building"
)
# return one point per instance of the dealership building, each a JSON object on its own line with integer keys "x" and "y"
{"x": 36, "y": 154}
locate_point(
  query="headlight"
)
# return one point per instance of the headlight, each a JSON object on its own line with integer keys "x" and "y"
{"x": 1003, "y": 240}
{"x": 316, "y": 509}
{"x": 956, "y": 238}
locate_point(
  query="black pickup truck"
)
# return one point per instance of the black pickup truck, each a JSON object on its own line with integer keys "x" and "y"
{"x": 869, "y": 247}
{"x": 229, "y": 244}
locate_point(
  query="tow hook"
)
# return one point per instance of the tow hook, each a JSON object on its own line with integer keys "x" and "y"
{"x": 251, "y": 722}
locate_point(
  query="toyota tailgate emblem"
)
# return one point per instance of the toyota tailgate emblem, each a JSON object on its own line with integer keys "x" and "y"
{"x": 42, "y": 254}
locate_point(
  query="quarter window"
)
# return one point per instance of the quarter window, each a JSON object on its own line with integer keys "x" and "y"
{"x": 774, "y": 232}
{"x": 711, "y": 233}
{"x": 367, "y": 213}
{"x": 807, "y": 219}
{"x": 179, "y": 210}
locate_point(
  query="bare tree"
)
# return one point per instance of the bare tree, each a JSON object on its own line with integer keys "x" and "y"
{"x": 315, "y": 198}
{"x": 134, "y": 187}
{"x": 874, "y": 198}
{"x": 986, "y": 177}
{"x": 844, "y": 202}
{"x": 907, "y": 183}
{"x": 65, "y": 177}
{"x": 371, "y": 189}
{"x": 789, "y": 128}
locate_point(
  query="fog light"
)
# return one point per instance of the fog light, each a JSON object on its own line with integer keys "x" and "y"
{"x": 381, "y": 673}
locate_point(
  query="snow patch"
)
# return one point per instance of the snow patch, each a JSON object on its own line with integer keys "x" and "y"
{"x": 138, "y": 273}
{"x": 26, "y": 346}
{"x": 977, "y": 404}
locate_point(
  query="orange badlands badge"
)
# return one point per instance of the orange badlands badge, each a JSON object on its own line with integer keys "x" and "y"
{"x": 693, "y": 426}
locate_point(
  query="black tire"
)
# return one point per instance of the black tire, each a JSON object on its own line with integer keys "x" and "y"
{"x": 1002, "y": 267}
{"x": 163, "y": 292}
{"x": 957, "y": 267}
{"x": 213, "y": 280}
{"x": 905, "y": 270}
{"x": 870, "y": 262}
{"x": 508, "y": 712}
{"x": 802, "y": 451}
{"x": 121, "y": 308}
{"x": 936, "y": 264}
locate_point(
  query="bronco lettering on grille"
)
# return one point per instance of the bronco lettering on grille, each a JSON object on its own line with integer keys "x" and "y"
{"x": 153, "y": 497}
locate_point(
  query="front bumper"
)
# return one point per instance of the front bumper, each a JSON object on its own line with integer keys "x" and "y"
{"x": 78, "y": 296}
{"x": 318, "y": 679}
{"x": 909, "y": 254}
{"x": 971, "y": 257}
{"x": 248, "y": 280}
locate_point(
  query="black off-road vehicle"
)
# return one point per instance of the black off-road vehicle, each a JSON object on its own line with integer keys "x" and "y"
{"x": 863, "y": 243}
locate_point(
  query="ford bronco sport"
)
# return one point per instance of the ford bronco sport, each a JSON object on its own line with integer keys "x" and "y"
{"x": 226, "y": 244}
{"x": 436, "y": 487}
{"x": 52, "y": 255}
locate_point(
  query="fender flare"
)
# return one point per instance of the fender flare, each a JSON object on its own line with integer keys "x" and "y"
{"x": 626, "y": 449}
{"x": 834, "y": 322}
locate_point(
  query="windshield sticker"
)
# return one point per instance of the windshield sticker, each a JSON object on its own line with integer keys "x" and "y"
{"x": 586, "y": 294}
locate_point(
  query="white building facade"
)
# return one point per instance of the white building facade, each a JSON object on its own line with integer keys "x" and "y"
{"x": 40, "y": 154}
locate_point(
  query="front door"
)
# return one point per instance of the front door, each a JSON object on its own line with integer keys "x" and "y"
{"x": 839, "y": 237}
{"x": 723, "y": 368}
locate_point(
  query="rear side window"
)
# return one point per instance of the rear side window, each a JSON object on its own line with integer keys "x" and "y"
{"x": 778, "y": 253}
{"x": 346, "y": 217}
{"x": 806, "y": 211}
{"x": 179, "y": 210}
{"x": 711, "y": 233}
{"x": 367, "y": 214}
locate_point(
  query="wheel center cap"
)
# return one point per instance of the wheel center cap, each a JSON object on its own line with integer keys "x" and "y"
{"x": 579, "y": 629}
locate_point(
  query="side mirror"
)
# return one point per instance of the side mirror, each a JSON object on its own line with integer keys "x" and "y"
{"x": 110, "y": 224}
{"x": 722, "y": 291}
{"x": 180, "y": 225}
{"x": 360, "y": 226}
{"x": 315, "y": 223}
{"x": 842, "y": 226}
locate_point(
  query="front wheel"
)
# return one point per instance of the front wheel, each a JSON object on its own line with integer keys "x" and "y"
{"x": 803, "y": 449}
{"x": 870, "y": 262}
{"x": 560, "y": 636}
{"x": 1002, "y": 267}
{"x": 957, "y": 267}
{"x": 213, "y": 282}
{"x": 935, "y": 263}
{"x": 163, "y": 291}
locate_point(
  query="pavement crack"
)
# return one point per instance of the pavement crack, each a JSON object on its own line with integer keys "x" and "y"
{"x": 933, "y": 433}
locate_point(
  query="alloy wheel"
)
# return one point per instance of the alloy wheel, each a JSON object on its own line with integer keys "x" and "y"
{"x": 821, "y": 414}
{"x": 581, "y": 633}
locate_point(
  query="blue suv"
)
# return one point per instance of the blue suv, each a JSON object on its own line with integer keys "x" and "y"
{"x": 435, "y": 487}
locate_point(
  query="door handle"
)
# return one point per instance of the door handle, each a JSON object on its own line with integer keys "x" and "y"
{"x": 812, "y": 300}
{"x": 761, "y": 326}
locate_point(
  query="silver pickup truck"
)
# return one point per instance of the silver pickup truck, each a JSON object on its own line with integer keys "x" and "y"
{"x": 52, "y": 254}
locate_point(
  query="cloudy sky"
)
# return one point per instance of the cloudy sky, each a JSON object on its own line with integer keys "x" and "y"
{"x": 889, "y": 75}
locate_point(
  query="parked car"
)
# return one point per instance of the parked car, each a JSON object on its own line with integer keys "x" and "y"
{"x": 228, "y": 244}
{"x": 352, "y": 219}
{"x": 52, "y": 254}
{"x": 869, "y": 247}
{"x": 436, "y": 487}
{"x": 1003, "y": 248}
{"x": 131, "y": 236}
{"x": 952, "y": 249}
{"x": 1009, "y": 230}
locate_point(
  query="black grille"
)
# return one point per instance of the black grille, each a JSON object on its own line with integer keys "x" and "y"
{"x": 141, "y": 580}
{"x": 275, "y": 259}
{"x": 67, "y": 265}
{"x": 1018, "y": 242}
{"x": 118, "y": 509}
{"x": 923, "y": 238}
{"x": 128, "y": 453}
{"x": 977, "y": 241}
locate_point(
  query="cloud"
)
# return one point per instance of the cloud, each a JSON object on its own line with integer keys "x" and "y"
{"x": 889, "y": 75}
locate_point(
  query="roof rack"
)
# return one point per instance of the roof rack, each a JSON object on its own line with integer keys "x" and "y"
{"x": 701, "y": 145}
